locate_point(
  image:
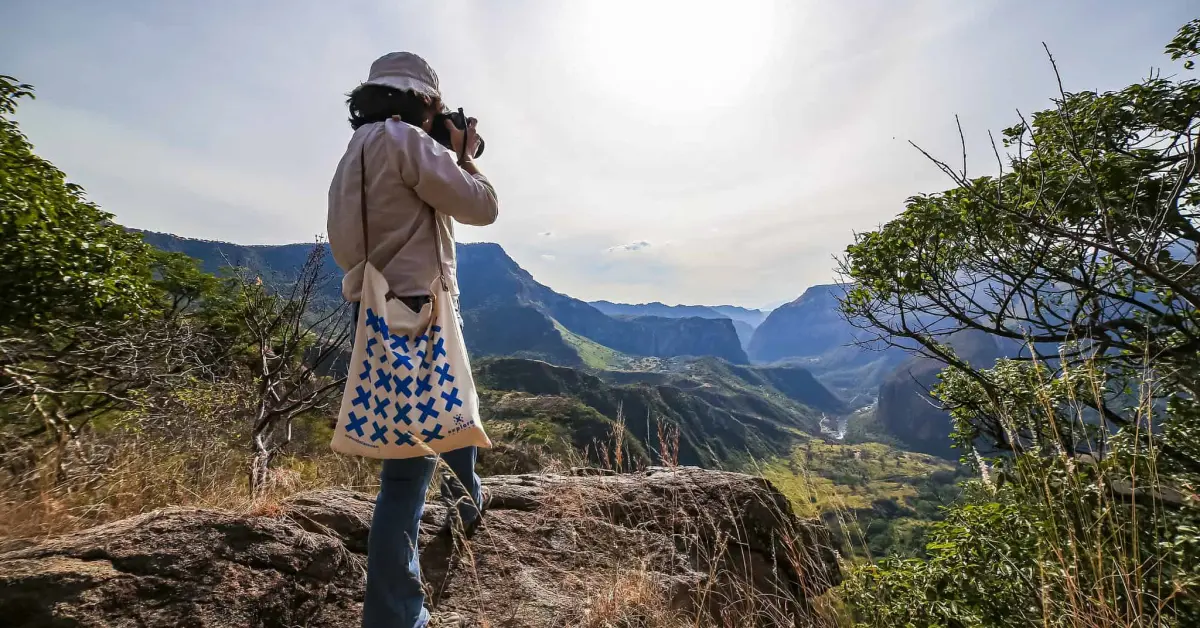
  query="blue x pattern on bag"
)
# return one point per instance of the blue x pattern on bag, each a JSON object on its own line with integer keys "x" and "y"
{"x": 376, "y": 386}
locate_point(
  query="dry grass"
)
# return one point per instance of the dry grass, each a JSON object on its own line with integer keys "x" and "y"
{"x": 631, "y": 598}
{"x": 125, "y": 473}
{"x": 133, "y": 475}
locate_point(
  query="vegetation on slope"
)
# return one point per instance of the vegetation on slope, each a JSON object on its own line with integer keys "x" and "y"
{"x": 878, "y": 500}
{"x": 1084, "y": 248}
{"x": 593, "y": 354}
{"x": 719, "y": 427}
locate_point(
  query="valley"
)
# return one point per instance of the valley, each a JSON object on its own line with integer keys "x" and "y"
{"x": 790, "y": 394}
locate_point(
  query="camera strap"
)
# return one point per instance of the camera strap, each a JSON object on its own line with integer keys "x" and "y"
{"x": 462, "y": 148}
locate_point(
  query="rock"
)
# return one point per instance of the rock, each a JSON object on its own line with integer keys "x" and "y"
{"x": 554, "y": 550}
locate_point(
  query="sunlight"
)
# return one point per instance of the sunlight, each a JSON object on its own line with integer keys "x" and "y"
{"x": 672, "y": 55}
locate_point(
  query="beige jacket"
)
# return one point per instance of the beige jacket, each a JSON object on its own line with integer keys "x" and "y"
{"x": 407, "y": 173}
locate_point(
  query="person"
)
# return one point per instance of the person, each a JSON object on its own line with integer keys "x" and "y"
{"x": 416, "y": 189}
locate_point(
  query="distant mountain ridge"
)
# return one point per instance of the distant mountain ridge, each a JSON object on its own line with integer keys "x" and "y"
{"x": 655, "y": 309}
{"x": 215, "y": 255}
{"x": 744, "y": 319}
{"x": 753, "y": 318}
{"x": 811, "y": 332}
{"x": 506, "y": 312}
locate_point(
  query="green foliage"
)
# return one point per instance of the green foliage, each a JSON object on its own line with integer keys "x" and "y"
{"x": 1052, "y": 546}
{"x": 62, "y": 256}
{"x": 1083, "y": 249}
{"x": 183, "y": 284}
{"x": 1084, "y": 245}
{"x": 1186, "y": 44}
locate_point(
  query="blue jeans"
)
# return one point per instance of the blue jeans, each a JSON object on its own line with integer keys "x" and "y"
{"x": 394, "y": 596}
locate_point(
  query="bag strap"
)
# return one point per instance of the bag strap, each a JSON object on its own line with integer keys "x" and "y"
{"x": 362, "y": 165}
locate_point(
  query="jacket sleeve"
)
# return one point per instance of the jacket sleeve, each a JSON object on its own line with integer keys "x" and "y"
{"x": 432, "y": 171}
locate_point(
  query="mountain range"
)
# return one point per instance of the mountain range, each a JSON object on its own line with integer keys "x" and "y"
{"x": 744, "y": 320}
{"x": 809, "y": 362}
{"x": 811, "y": 332}
{"x": 506, "y": 312}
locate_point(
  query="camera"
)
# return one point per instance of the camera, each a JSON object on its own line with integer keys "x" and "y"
{"x": 440, "y": 133}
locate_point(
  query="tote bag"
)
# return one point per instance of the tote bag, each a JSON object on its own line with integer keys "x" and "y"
{"x": 409, "y": 391}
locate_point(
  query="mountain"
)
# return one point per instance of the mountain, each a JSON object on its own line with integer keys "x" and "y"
{"x": 655, "y": 309}
{"x": 811, "y": 332}
{"x": 750, "y": 317}
{"x": 744, "y": 332}
{"x": 282, "y": 259}
{"x": 744, "y": 320}
{"x": 808, "y": 326}
{"x": 488, "y": 277}
{"x": 906, "y": 411}
{"x": 505, "y": 311}
{"x": 727, "y": 415}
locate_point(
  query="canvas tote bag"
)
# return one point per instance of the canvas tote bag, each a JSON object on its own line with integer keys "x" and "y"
{"x": 409, "y": 391}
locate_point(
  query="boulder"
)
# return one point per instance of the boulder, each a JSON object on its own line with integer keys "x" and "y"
{"x": 554, "y": 550}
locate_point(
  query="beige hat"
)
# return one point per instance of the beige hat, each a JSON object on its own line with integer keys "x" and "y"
{"x": 404, "y": 71}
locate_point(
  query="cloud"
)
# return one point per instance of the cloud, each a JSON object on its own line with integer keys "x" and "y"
{"x": 632, "y": 246}
{"x": 748, "y": 212}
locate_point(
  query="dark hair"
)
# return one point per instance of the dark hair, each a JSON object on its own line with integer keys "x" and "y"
{"x": 376, "y": 103}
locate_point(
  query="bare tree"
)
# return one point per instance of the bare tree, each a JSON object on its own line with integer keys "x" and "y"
{"x": 296, "y": 333}
{"x": 55, "y": 382}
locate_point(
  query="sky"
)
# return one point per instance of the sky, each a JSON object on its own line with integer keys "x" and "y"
{"x": 650, "y": 150}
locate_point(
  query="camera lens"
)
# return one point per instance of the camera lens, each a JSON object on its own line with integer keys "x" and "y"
{"x": 440, "y": 133}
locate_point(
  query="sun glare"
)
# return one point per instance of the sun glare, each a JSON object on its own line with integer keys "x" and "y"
{"x": 687, "y": 57}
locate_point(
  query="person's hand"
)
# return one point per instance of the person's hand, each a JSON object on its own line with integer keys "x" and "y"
{"x": 458, "y": 136}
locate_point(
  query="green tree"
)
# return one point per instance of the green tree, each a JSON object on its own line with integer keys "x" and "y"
{"x": 61, "y": 256}
{"x": 1083, "y": 249}
{"x": 90, "y": 320}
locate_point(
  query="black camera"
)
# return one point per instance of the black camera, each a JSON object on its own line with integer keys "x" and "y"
{"x": 440, "y": 133}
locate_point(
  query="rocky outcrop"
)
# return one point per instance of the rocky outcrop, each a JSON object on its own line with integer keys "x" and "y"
{"x": 556, "y": 550}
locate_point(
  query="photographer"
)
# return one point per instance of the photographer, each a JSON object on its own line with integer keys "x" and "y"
{"x": 415, "y": 188}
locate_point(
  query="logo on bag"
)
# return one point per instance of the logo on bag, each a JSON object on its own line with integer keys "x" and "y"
{"x": 462, "y": 423}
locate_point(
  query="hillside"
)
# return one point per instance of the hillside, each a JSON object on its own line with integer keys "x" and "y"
{"x": 723, "y": 420}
